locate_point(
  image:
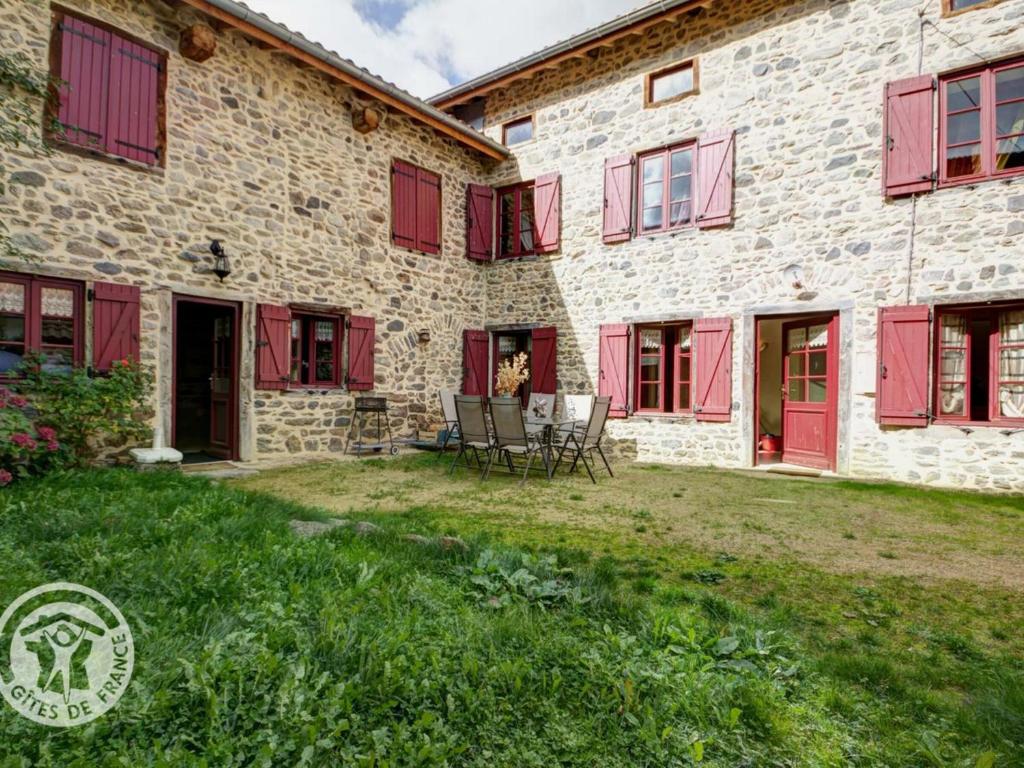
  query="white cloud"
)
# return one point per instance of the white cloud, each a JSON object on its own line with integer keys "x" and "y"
{"x": 439, "y": 43}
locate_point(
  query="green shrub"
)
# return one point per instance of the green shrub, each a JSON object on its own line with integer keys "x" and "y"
{"x": 88, "y": 413}
{"x": 26, "y": 446}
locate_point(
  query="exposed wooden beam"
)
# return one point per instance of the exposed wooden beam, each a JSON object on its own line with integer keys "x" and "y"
{"x": 261, "y": 36}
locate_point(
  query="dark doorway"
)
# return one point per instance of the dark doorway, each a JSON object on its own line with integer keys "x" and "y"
{"x": 205, "y": 395}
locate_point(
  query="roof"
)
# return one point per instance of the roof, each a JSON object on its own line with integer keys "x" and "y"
{"x": 270, "y": 34}
{"x": 628, "y": 24}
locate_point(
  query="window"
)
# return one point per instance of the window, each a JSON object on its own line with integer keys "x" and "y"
{"x": 40, "y": 315}
{"x": 517, "y": 131}
{"x": 955, "y": 6}
{"x": 664, "y": 355}
{"x": 980, "y": 364}
{"x": 516, "y": 221}
{"x": 982, "y": 128}
{"x": 666, "y": 189}
{"x": 670, "y": 84}
{"x": 415, "y": 208}
{"x": 315, "y": 350}
{"x": 111, "y": 96}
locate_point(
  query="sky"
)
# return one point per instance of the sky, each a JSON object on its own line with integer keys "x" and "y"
{"x": 427, "y": 46}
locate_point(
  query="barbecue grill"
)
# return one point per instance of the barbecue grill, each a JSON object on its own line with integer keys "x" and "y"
{"x": 370, "y": 409}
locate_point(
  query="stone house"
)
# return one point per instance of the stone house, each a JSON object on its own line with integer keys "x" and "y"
{"x": 775, "y": 233}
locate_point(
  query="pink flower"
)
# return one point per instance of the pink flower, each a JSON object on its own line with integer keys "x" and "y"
{"x": 18, "y": 401}
{"x": 48, "y": 434}
{"x": 5, "y": 477}
{"x": 53, "y": 446}
{"x": 23, "y": 440}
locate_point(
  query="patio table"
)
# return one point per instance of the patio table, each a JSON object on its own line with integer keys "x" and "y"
{"x": 548, "y": 426}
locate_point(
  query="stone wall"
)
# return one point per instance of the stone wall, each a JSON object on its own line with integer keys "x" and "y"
{"x": 262, "y": 155}
{"x": 801, "y": 82}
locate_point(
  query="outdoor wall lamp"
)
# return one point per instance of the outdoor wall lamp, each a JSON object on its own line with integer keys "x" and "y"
{"x": 221, "y": 265}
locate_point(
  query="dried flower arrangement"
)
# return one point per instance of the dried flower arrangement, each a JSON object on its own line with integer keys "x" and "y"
{"x": 512, "y": 374}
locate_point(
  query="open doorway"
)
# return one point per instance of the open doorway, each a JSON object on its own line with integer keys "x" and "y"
{"x": 205, "y": 393}
{"x": 508, "y": 344}
{"x": 797, "y": 383}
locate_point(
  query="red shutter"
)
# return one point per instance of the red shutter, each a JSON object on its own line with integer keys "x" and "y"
{"x": 908, "y": 163}
{"x": 474, "y": 362}
{"x": 133, "y": 101}
{"x": 84, "y": 70}
{"x": 715, "y": 163}
{"x": 403, "y": 204}
{"x": 903, "y": 362}
{"x": 618, "y": 199}
{"x": 547, "y": 205}
{"x": 428, "y": 212}
{"x": 362, "y": 337}
{"x": 544, "y": 362}
{"x": 115, "y": 324}
{"x": 613, "y": 373}
{"x": 273, "y": 346}
{"x": 713, "y": 358}
{"x": 479, "y": 222}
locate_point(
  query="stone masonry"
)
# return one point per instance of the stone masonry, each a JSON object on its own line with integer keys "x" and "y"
{"x": 801, "y": 82}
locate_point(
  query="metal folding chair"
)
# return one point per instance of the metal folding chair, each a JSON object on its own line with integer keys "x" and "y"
{"x": 473, "y": 433}
{"x": 513, "y": 439}
{"x": 451, "y": 419}
{"x": 582, "y": 443}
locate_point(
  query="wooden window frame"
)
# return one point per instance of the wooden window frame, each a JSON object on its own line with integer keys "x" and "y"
{"x": 307, "y": 345}
{"x": 517, "y": 122}
{"x": 649, "y": 79}
{"x": 948, "y": 9}
{"x": 665, "y": 153}
{"x": 51, "y": 133}
{"x": 988, "y": 140}
{"x": 670, "y": 380}
{"x": 33, "y": 318}
{"x": 969, "y": 310}
{"x": 517, "y": 191}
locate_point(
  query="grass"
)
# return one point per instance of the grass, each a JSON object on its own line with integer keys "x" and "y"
{"x": 905, "y": 604}
{"x": 563, "y": 635}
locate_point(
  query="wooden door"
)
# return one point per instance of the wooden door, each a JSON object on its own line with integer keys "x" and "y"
{"x": 222, "y": 387}
{"x": 809, "y": 397}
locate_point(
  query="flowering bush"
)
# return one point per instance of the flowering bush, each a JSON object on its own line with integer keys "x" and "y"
{"x": 26, "y": 448}
{"x": 50, "y": 419}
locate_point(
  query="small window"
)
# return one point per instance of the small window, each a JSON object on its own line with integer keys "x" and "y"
{"x": 316, "y": 350}
{"x": 982, "y": 129}
{"x": 517, "y": 226}
{"x": 517, "y": 132}
{"x": 42, "y": 316}
{"x": 955, "y": 6}
{"x": 673, "y": 83}
{"x": 666, "y": 189}
{"x": 111, "y": 98}
{"x": 980, "y": 364}
{"x": 664, "y": 370}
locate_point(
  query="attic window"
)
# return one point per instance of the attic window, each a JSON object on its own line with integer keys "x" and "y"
{"x": 517, "y": 131}
{"x": 671, "y": 83}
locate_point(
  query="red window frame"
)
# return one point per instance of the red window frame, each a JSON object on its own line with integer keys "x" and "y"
{"x": 669, "y": 379}
{"x": 33, "y": 317}
{"x": 515, "y": 124}
{"x": 303, "y": 348}
{"x": 55, "y": 133}
{"x": 989, "y": 138}
{"x": 516, "y": 191}
{"x": 993, "y": 314}
{"x": 665, "y": 154}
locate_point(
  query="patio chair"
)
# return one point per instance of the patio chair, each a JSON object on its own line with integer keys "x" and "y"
{"x": 473, "y": 433}
{"x": 451, "y": 419}
{"x": 513, "y": 439}
{"x": 540, "y": 408}
{"x": 575, "y": 413}
{"x": 582, "y": 442}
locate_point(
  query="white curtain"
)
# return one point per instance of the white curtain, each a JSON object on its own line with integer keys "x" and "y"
{"x": 1011, "y": 364}
{"x": 953, "y": 366}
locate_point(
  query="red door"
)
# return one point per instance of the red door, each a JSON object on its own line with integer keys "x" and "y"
{"x": 809, "y": 398}
{"x": 221, "y": 387}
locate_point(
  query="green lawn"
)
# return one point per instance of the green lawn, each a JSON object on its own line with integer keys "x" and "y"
{"x": 669, "y": 617}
